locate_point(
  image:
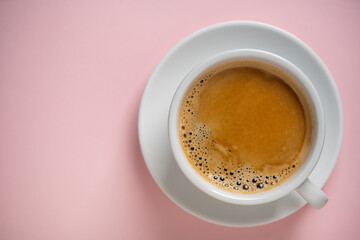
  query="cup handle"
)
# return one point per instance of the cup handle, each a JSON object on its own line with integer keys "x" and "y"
{"x": 312, "y": 194}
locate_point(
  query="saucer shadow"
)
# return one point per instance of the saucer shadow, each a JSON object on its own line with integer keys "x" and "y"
{"x": 150, "y": 187}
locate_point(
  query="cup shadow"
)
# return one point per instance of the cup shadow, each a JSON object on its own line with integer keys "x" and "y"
{"x": 149, "y": 188}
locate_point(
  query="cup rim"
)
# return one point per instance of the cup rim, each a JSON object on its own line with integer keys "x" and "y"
{"x": 317, "y": 139}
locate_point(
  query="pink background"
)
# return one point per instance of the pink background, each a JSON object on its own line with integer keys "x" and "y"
{"x": 71, "y": 78}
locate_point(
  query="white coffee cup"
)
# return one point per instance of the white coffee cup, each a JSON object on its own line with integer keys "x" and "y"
{"x": 299, "y": 181}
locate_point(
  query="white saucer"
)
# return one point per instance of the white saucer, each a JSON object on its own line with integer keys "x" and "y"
{"x": 161, "y": 87}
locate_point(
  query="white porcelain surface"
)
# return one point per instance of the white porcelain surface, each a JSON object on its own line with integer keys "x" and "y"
{"x": 161, "y": 88}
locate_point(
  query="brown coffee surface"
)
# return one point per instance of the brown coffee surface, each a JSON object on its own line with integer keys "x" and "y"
{"x": 243, "y": 128}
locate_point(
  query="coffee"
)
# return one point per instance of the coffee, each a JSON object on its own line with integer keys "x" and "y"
{"x": 245, "y": 127}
